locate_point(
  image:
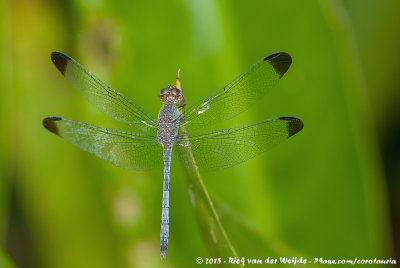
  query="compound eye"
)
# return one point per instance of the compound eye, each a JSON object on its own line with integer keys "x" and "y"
{"x": 175, "y": 91}
{"x": 163, "y": 91}
{"x": 179, "y": 97}
{"x": 162, "y": 97}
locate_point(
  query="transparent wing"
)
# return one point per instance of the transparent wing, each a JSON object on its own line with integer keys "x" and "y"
{"x": 124, "y": 149}
{"x": 224, "y": 148}
{"x": 239, "y": 94}
{"x": 104, "y": 98}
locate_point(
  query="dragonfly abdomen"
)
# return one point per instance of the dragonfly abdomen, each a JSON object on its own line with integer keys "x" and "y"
{"x": 164, "y": 234}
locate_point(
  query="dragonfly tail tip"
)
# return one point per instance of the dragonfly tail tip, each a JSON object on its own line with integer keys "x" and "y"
{"x": 163, "y": 255}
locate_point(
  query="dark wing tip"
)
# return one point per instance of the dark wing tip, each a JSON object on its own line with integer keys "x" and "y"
{"x": 281, "y": 61}
{"x": 293, "y": 124}
{"x": 60, "y": 60}
{"x": 50, "y": 124}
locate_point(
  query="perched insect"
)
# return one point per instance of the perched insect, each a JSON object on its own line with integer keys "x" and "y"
{"x": 155, "y": 139}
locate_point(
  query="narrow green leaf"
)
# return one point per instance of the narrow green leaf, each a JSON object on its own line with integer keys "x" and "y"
{"x": 5, "y": 261}
{"x": 213, "y": 233}
{"x": 266, "y": 249}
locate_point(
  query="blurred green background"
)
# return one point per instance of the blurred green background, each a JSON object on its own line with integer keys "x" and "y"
{"x": 331, "y": 191}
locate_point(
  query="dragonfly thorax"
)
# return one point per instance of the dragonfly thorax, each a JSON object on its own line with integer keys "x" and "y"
{"x": 171, "y": 94}
{"x": 168, "y": 124}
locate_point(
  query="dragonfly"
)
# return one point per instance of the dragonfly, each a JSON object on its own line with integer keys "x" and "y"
{"x": 155, "y": 139}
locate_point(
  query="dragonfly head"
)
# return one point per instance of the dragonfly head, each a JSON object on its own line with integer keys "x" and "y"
{"x": 171, "y": 94}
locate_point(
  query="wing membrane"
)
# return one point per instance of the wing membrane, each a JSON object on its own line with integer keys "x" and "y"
{"x": 239, "y": 94}
{"x": 104, "y": 98}
{"x": 124, "y": 149}
{"x": 224, "y": 148}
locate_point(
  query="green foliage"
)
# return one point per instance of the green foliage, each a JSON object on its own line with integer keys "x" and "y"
{"x": 5, "y": 262}
{"x": 320, "y": 194}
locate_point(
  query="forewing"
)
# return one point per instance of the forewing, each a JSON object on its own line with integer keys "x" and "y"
{"x": 224, "y": 148}
{"x": 104, "y": 98}
{"x": 239, "y": 94}
{"x": 124, "y": 149}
